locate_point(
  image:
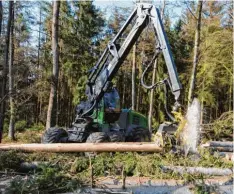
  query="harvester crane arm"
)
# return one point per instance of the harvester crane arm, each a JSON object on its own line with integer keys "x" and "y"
{"x": 114, "y": 54}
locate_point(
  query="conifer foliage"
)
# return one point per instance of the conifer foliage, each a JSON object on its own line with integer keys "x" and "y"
{"x": 46, "y": 50}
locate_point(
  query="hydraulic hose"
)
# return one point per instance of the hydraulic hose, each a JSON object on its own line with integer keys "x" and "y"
{"x": 89, "y": 110}
{"x": 156, "y": 54}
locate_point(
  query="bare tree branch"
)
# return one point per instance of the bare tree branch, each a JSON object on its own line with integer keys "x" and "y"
{"x": 191, "y": 12}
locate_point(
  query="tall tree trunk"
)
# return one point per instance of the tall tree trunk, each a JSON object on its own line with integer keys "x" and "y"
{"x": 4, "y": 72}
{"x": 50, "y": 121}
{"x": 230, "y": 98}
{"x": 134, "y": 77}
{"x": 138, "y": 98}
{"x": 11, "y": 132}
{"x": 58, "y": 108}
{"x": 163, "y": 9}
{"x": 153, "y": 80}
{"x": 196, "y": 51}
{"x": 39, "y": 40}
{"x": 38, "y": 66}
{"x": 139, "y": 85}
{"x": 202, "y": 104}
{"x": 124, "y": 90}
{"x": 1, "y": 13}
{"x": 152, "y": 97}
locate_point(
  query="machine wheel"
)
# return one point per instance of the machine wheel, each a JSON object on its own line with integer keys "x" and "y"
{"x": 97, "y": 137}
{"x": 116, "y": 136}
{"x": 139, "y": 134}
{"x": 54, "y": 135}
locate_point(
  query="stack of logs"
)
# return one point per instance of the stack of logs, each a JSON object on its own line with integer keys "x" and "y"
{"x": 223, "y": 149}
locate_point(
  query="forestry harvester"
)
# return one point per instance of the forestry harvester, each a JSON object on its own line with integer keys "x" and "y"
{"x": 100, "y": 118}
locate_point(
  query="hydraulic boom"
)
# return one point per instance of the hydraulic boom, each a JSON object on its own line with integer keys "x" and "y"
{"x": 114, "y": 55}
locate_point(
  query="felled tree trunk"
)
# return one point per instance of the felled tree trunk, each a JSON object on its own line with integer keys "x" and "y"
{"x": 227, "y": 155}
{"x": 218, "y": 144}
{"x": 222, "y": 149}
{"x": 84, "y": 147}
{"x": 199, "y": 170}
{"x": 31, "y": 166}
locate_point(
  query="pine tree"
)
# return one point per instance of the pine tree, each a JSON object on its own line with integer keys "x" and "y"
{"x": 4, "y": 74}
{"x": 11, "y": 133}
{"x": 52, "y": 109}
{"x": 196, "y": 51}
{"x": 1, "y": 14}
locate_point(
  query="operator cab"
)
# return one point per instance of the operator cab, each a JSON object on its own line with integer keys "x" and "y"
{"x": 112, "y": 109}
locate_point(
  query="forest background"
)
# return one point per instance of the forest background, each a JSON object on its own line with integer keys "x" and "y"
{"x": 27, "y": 61}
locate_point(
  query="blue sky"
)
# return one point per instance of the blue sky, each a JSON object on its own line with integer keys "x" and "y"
{"x": 174, "y": 12}
{"x": 105, "y": 3}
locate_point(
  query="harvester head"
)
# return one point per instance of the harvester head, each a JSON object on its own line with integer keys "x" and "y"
{"x": 185, "y": 134}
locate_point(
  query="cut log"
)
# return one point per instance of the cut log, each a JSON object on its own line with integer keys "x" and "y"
{"x": 133, "y": 181}
{"x": 222, "y": 149}
{"x": 226, "y": 155}
{"x": 31, "y": 166}
{"x": 218, "y": 144}
{"x": 199, "y": 170}
{"x": 85, "y": 147}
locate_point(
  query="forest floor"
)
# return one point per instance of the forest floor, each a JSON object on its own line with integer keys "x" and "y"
{"x": 140, "y": 172}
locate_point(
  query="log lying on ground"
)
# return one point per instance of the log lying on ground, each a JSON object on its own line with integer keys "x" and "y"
{"x": 31, "y": 166}
{"x": 133, "y": 181}
{"x": 199, "y": 170}
{"x": 218, "y": 144}
{"x": 85, "y": 147}
{"x": 226, "y": 155}
{"x": 222, "y": 149}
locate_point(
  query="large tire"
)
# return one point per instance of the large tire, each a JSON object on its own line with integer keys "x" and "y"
{"x": 81, "y": 130}
{"x": 54, "y": 135}
{"x": 139, "y": 134}
{"x": 116, "y": 136}
{"x": 97, "y": 137}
